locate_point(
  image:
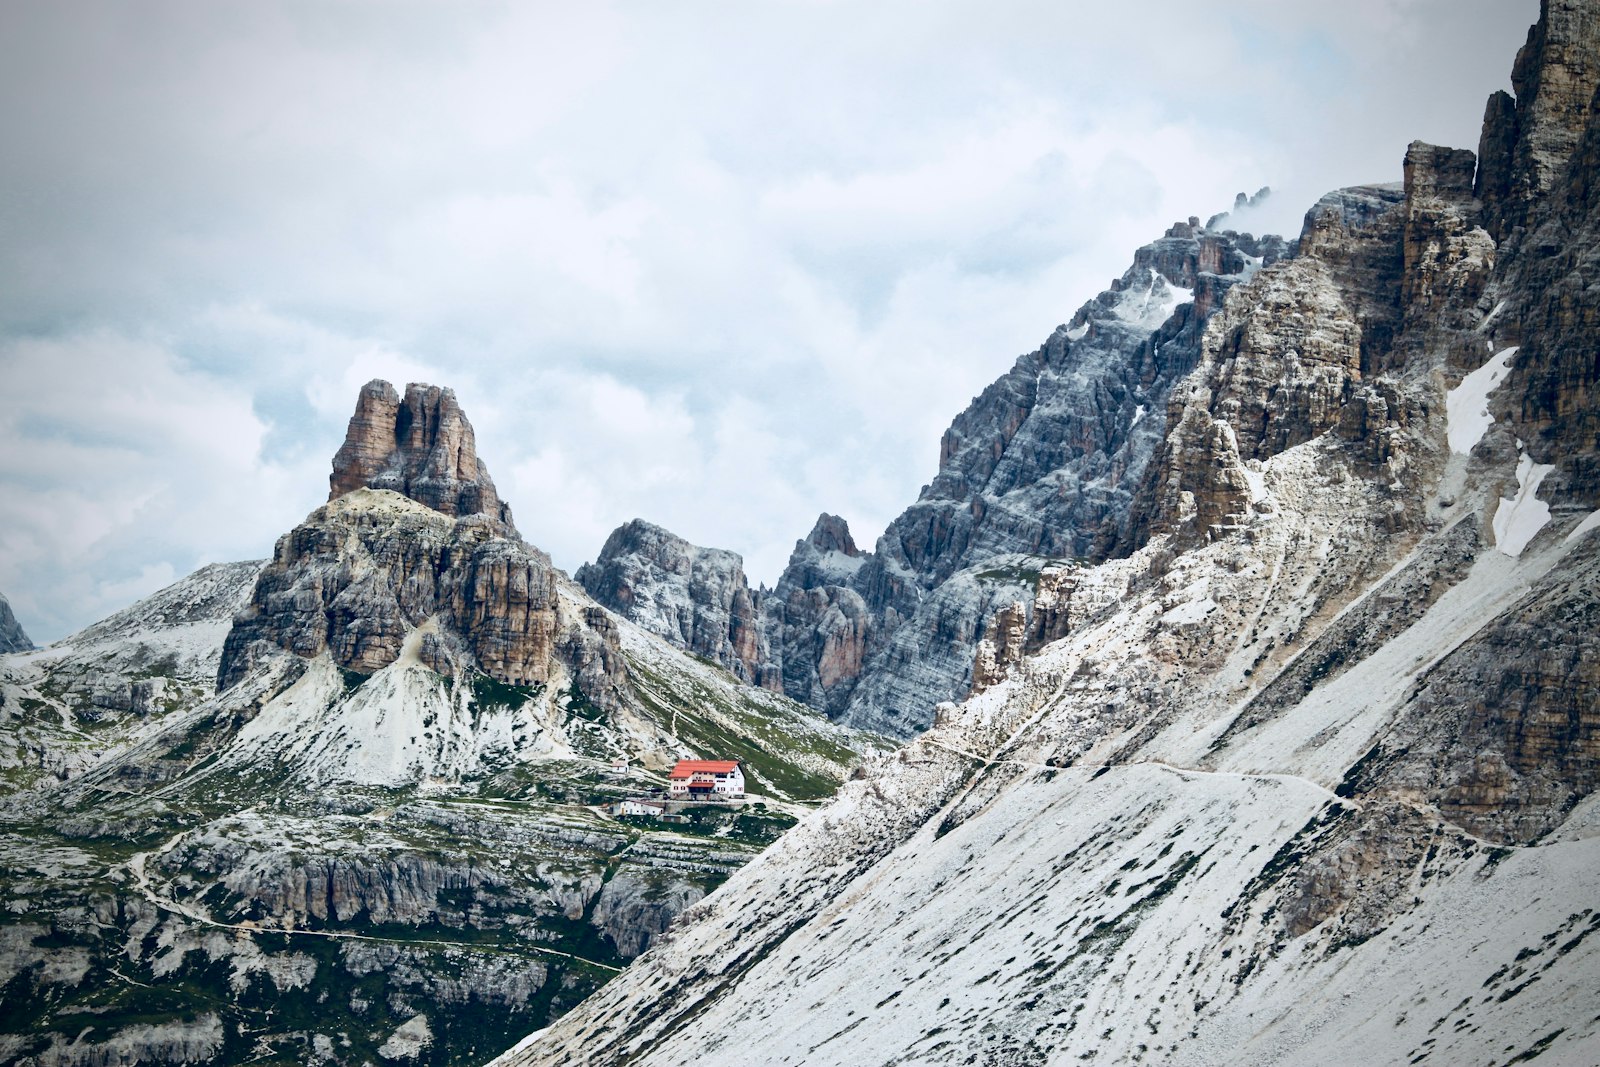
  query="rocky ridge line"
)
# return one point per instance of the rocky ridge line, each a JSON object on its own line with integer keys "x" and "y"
{"x": 1040, "y": 468}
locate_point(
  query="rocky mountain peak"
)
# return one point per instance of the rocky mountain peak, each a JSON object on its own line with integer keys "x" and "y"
{"x": 1434, "y": 170}
{"x": 697, "y": 598}
{"x": 12, "y": 638}
{"x": 666, "y": 548}
{"x": 832, "y": 534}
{"x": 421, "y": 446}
{"x": 414, "y": 561}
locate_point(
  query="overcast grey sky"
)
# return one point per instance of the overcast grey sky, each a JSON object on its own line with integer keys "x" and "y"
{"x": 719, "y": 265}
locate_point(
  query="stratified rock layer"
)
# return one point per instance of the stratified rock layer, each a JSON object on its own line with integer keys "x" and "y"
{"x": 360, "y": 574}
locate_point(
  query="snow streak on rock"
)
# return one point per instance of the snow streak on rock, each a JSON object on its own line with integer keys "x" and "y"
{"x": 1468, "y": 403}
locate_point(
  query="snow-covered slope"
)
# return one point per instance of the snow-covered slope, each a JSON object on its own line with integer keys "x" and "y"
{"x": 1105, "y": 856}
{"x": 1310, "y": 775}
{"x": 71, "y": 703}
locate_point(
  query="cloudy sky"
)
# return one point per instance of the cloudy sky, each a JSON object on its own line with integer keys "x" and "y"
{"x": 720, "y": 265}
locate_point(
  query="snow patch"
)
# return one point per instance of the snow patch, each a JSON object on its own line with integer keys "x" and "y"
{"x": 839, "y": 565}
{"x": 409, "y": 1041}
{"x": 1519, "y": 519}
{"x": 1153, "y": 305}
{"x": 1257, "y": 480}
{"x": 1077, "y": 332}
{"x": 1190, "y": 612}
{"x": 1467, "y": 405}
{"x": 1588, "y": 524}
{"x": 1138, "y": 416}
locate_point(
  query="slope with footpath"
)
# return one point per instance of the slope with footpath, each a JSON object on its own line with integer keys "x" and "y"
{"x": 1308, "y": 774}
{"x": 338, "y": 806}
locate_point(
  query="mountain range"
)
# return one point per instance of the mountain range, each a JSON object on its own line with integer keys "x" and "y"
{"x": 1230, "y": 694}
{"x": 347, "y": 805}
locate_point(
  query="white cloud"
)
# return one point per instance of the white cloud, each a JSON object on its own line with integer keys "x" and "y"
{"x": 720, "y": 266}
{"x": 119, "y": 468}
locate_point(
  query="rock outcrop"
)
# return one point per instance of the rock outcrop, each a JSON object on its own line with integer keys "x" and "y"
{"x": 364, "y": 573}
{"x": 1529, "y": 139}
{"x": 1001, "y": 651}
{"x": 1546, "y": 213}
{"x": 421, "y": 447}
{"x": 695, "y": 597}
{"x": 12, "y": 637}
{"x": 820, "y": 624}
{"x": 1277, "y": 368}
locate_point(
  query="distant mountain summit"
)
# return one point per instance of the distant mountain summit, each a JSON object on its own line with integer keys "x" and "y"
{"x": 12, "y": 637}
{"x": 697, "y": 598}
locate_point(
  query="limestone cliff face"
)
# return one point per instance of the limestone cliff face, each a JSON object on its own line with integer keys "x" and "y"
{"x": 1342, "y": 338}
{"x": 12, "y": 637}
{"x": 422, "y": 447}
{"x": 1278, "y": 364}
{"x": 365, "y": 572}
{"x": 1530, "y": 138}
{"x": 1046, "y": 460}
{"x": 695, "y": 597}
{"x": 1547, "y": 212}
{"x": 1042, "y": 466}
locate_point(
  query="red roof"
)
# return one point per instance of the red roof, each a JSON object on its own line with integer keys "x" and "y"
{"x": 688, "y": 767}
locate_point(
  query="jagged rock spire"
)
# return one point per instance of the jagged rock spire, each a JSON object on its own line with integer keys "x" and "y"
{"x": 832, "y": 534}
{"x": 422, "y": 446}
{"x": 12, "y": 638}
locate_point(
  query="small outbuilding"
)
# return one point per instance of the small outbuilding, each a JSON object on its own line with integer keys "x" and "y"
{"x": 651, "y": 808}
